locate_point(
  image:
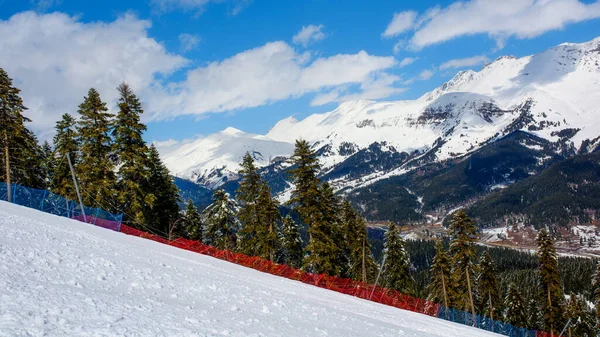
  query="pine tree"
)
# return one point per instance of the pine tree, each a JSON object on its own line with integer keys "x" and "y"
{"x": 533, "y": 315}
{"x": 247, "y": 195}
{"x": 95, "y": 170}
{"x": 131, "y": 152}
{"x": 361, "y": 264}
{"x": 65, "y": 142}
{"x": 221, "y": 221}
{"x": 514, "y": 313}
{"x": 291, "y": 243}
{"x": 305, "y": 195}
{"x": 161, "y": 215}
{"x": 21, "y": 153}
{"x": 463, "y": 254}
{"x": 439, "y": 288}
{"x": 193, "y": 222}
{"x": 396, "y": 268}
{"x": 324, "y": 249}
{"x": 269, "y": 218}
{"x": 596, "y": 294}
{"x": 551, "y": 294}
{"x": 47, "y": 158}
{"x": 487, "y": 285}
{"x": 582, "y": 319}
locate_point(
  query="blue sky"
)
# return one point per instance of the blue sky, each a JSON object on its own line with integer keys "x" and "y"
{"x": 203, "y": 65}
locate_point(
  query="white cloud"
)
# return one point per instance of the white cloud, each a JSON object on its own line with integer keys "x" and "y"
{"x": 407, "y": 61}
{"x": 399, "y": 45}
{"x": 189, "y": 42}
{"x": 55, "y": 59}
{"x": 44, "y": 5}
{"x": 500, "y": 19}
{"x": 166, "y": 143}
{"x": 198, "y": 6}
{"x": 259, "y": 76}
{"x": 462, "y": 63}
{"x": 308, "y": 34}
{"x": 380, "y": 86}
{"x": 426, "y": 74}
{"x": 239, "y": 6}
{"x": 401, "y": 22}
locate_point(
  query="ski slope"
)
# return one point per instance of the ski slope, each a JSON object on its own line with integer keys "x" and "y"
{"x": 60, "y": 277}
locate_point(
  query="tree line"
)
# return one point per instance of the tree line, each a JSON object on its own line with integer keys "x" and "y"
{"x": 115, "y": 168}
{"x": 119, "y": 172}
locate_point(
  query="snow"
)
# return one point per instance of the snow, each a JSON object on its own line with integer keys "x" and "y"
{"x": 60, "y": 277}
{"x": 494, "y": 234}
{"x": 198, "y": 160}
{"x": 563, "y": 84}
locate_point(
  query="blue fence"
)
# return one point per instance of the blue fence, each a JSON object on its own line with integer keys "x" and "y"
{"x": 49, "y": 202}
{"x": 484, "y": 323}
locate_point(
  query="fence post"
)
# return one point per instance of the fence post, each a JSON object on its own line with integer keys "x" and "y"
{"x": 14, "y": 195}
{"x": 69, "y": 208}
{"x": 96, "y": 216}
{"x": 43, "y": 199}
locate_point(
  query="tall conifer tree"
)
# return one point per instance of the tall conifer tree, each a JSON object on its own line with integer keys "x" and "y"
{"x": 291, "y": 243}
{"x": 361, "y": 264}
{"x": 131, "y": 153}
{"x": 47, "y": 159}
{"x": 515, "y": 312}
{"x": 95, "y": 170}
{"x": 65, "y": 142}
{"x": 221, "y": 221}
{"x": 305, "y": 195}
{"x": 247, "y": 195}
{"x": 582, "y": 319}
{"x": 324, "y": 249}
{"x": 396, "y": 268}
{"x": 21, "y": 153}
{"x": 193, "y": 222}
{"x": 487, "y": 285}
{"x": 164, "y": 211}
{"x": 269, "y": 218}
{"x": 533, "y": 315}
{"x": 464, "y": 235}
{"x": 439, "y": 288}
{"x": 596, "y": 293}
{"x": 551, "y": 294}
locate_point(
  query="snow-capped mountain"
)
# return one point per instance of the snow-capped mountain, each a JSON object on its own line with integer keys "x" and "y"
{"x": 215, "y": 159}
{"x": 554, "y": 95}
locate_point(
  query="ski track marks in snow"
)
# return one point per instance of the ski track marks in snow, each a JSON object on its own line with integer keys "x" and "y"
{"x": 60, "y": 277}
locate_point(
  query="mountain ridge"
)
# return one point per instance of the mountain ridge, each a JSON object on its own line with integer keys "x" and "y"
{"x": 553, "y": 95}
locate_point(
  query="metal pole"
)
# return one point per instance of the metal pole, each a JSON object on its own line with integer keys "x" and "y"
{"x": 378, "y": 274}
{"x": 565, "y": 328}
{"x": 76, "y": 186}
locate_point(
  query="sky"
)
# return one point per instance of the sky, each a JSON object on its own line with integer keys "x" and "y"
{"x": 200, "y": 66}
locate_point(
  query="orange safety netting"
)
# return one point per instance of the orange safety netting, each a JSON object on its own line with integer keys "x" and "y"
{"x": 342, "y": 285}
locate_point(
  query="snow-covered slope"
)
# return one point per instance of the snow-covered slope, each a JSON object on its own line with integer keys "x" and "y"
{"x": 60, "y": 277}
{"x": 543, "y": 94}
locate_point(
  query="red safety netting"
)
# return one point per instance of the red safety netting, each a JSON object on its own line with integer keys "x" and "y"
{"x": 108, "y": 224}
{"x": 338, "y": 284}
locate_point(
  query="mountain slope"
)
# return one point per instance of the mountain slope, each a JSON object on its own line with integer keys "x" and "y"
{"x": 63, "y": 277}
{"x": 567, "y": 191}
{"x": 553, "y": 97}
